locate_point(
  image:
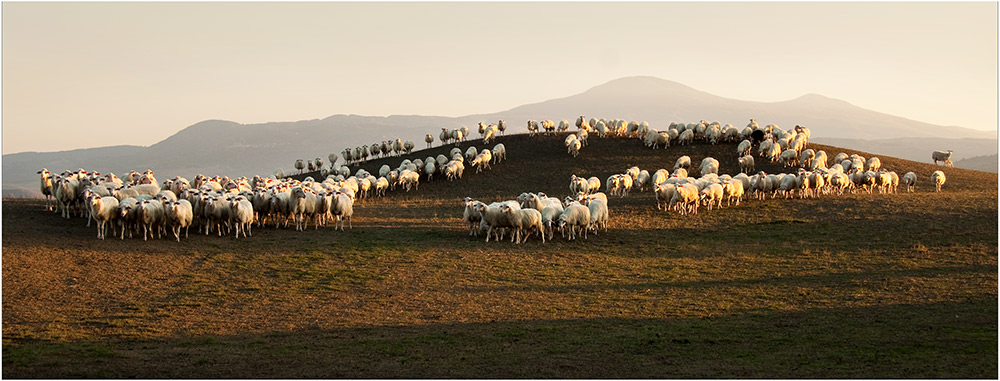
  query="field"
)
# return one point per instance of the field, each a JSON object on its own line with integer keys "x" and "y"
{"x": 854, "y": 286}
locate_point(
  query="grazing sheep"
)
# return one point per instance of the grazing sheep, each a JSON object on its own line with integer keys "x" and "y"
{"x": 598, "y": 214}
{"x": 910, "y": 180}
{"x": 576, "y": 217}
{"x": 712, "y": 194}
{"x": 574, "y": 147}
{"x": 744, "y": 148}
{"x": 582, "y": 124}
{"x": 685, "y": 199}
{"x": 938, "y": 178}
{"x": 664, "y": 193}
{"x": 874, "y": 164}
{"x": 522, "y": 220}
{"x": 499, "y": 153}
{"x": 942, "y": 156}
{"x": 709, "y": 165}
{"x": 683, "y": 162}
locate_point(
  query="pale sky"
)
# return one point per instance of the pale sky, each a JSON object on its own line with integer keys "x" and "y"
{"x": 81, "y": 75}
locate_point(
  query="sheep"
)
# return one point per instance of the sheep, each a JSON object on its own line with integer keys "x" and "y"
{"x": 712, "y": 194}
{"x": 576, "y": 217}
{"x": 574, "y": 147}
{"x": 788, "y": 158}
{"x": 151, "y": 216}
{"x": 45, "y": 186}
{"x": 502, "y": 127}
{"x": 550, "y": 215}
{"x": 549, "y": 126}
{"x": 494, "y": 218}
{"x": 444, "y": 136}
{"x": 304, "y": 204}
{"x": 499, "y": 152}
{"x": 471, "y": 153}
{"x": 910, "y": 180}
{"x": 429, "y": 168}
{"x": 744, "y": 148}
{"x": 471, "y": 215}
{"x": 709, "y": 165}
{"x": 938, "y": 178}
{"x": 664, "y": 193}
{"x": 685, "y": 199}
{"x": 569, "y": 141}
{"x": 746, "y": 164}
{"x": 578, "y": 184}
{"x": 942, "y": 156}
{"x": 685, "y": 137}
{"x": 582, "y": 135}
{"x": 489, "y": 134}
{"x": 659, "y": 177}
{"x": 598, "y": 215}
{"x": 642, "y": 180}
{"x": 874, "y": 164}
{"x": 522, "y": 220}
{"x": 563, "y": 125}
{"x": 732, "y": 189}
{"x": 582, "y": 124}
{"x": 103, "y": 210}
{"x": 66, "y": 194}
{"x": 532, "y": 127}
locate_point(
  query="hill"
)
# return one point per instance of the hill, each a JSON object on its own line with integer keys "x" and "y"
{"x": 801, "y": 288}
{"x": 216, "y": 147}
{"x": 986, "y": 163}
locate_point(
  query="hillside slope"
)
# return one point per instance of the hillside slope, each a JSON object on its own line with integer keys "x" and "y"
{"x": 804, "y": 288}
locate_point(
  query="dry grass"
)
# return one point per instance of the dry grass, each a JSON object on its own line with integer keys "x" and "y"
{"x": 884, "y": 286}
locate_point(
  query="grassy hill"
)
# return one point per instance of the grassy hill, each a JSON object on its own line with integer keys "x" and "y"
{"x": 854, "y": 286}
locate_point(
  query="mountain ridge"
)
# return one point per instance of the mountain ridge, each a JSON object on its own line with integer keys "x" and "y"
{"x": 239, "y": 149}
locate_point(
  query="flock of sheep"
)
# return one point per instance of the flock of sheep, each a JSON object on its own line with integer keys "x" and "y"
{"x": 138, "y": 203}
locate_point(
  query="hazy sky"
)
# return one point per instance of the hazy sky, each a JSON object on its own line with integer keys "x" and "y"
{"x": 78, "y": 75}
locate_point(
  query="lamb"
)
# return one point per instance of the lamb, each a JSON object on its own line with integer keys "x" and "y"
{"x": 910, "y": 180}
{"x": 942, "y": 156}
{"x": 103, "y": 210}
{"x": 576, "y": 217}
{"x": 938, "y": 178}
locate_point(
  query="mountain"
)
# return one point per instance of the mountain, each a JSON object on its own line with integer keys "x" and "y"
{"x": 918, "y": 149}
{"x": 986, "y": 163}
{"x": 228, "y": 148}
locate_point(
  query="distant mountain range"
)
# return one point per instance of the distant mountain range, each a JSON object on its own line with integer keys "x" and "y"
{"x": 986, "y": 163}
{"x": 228, "y": 148}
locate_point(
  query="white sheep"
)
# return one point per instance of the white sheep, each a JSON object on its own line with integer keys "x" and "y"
{"x": 709, "y": 165}
{"x": 576, "y": 217}
{"x": 427, "y": 138}
{"x": 664, "y": 193}
{"x": 342, "y": 208}
{"x": 874, "y": 164}
{"x": 103, "y": 210}
{"x": 712, "y": 194}
{"x": 788, "y": 158}
{"x": 578, "y": 184}
{"x": 910, "y": 180}
{"x": 499, "y": 153}
{"x": 180, "y": 214}
{"x": 942, "y": 156}
{"x": 683, "y": 162}
{"x": 151, "y": 216}
{"x": 574, "y": 147}
{"x": 746, "y": 164}
{"x": 685, "y": 199}
{"x": 471, "y": 215}
{"x": 522, "y": 221}
{"x": 598, "y": 214}
{"x": 241, "y": 211}
{"x": 938, "y": 178}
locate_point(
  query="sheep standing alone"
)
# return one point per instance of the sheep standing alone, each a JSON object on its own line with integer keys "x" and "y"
{"x": 942, "y": 156}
